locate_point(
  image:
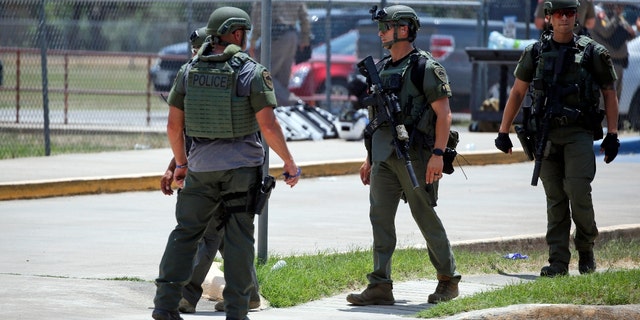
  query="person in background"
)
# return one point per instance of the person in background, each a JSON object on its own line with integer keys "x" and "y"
{"x": 613, "y": 31}
{"x": 426, "y": 111}
{"x": 568, "y": 73}
{"x": 584, "y": 23}
{"x": 221, "y": 178}
{"x": 286, "y": 18}
{"x": 211, "y": 241}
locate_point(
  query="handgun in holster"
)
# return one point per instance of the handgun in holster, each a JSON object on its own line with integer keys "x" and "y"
{"x": 525, "y": 134}
{"x": 264, "y": 192}
{"x": 527, "y": 141}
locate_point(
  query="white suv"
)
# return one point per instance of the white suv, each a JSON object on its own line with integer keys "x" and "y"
{"x": 629, "y": 103}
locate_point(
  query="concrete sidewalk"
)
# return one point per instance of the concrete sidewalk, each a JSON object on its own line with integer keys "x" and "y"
{"x": 105, "y": 172}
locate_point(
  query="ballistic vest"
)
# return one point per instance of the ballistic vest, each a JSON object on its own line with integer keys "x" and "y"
{"x": 418, "y": 114}
{"x": 212, "y": 107}
{"x": 586, "y": 97}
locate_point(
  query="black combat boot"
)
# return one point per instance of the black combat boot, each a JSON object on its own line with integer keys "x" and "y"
{"x": 161, "y": 314}
{"x": 376, "y": 293}
{"x": 446, "y": 290}
{"x": 555, "y": 269}
{"x": 586, "y": 263}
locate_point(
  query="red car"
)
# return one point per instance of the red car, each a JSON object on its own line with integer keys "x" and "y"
{"x": 308, "y": 79}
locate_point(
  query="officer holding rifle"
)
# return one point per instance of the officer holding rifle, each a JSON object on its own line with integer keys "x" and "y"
{"x": 407, "y": 136}
{"x": 566, "y": 74}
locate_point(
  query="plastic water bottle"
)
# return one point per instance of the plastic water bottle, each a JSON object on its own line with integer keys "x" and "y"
{"x": 499, "y": 41}
{"x": 279, "y": 265}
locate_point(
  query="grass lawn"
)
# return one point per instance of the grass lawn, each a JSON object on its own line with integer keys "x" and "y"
{"x": 311, "y": 277}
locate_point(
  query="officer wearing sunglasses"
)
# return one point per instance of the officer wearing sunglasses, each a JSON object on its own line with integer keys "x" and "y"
{"x": 422, "y": 88}
{"x": 566, "y": 74}
{"x": 586, "y": 20}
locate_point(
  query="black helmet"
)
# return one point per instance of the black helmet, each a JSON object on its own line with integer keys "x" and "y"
{"x": 552, "y": 5}
{"x": 225, "y": 20}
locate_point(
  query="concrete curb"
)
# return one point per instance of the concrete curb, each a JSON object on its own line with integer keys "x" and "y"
{"x": 149, "y": 181}
{"x": 553, "y": 311}
{"x": 537, "y": 241}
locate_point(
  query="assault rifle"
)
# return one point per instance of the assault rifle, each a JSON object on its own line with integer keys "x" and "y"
{"x": 388, "y": 110}
{"x": 552, "y": 107}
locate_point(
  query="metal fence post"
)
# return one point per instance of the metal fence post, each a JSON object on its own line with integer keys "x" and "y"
{"x": 265, "y": 57}
{"x": 45, "y": 89}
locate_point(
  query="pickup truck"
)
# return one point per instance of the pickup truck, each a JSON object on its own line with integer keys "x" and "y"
{"x": 446, "y": 39}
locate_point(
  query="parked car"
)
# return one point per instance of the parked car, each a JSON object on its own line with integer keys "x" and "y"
{"x": 309, "y": 79}
{"x": 165, "y": 68}
{"x": 446, "y": 39}
{"x": 629, "y": 106}
{"x": 173, "y": 56}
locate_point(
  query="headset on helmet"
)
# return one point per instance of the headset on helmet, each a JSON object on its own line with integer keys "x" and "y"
{"x": 225, "y": 20}
{"x": 552, "y": 5}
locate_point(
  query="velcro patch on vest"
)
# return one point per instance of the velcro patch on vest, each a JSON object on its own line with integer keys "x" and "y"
{"x": 218, "y": 81}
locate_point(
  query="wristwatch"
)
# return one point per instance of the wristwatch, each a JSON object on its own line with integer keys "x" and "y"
{"x": 437, "y": 152}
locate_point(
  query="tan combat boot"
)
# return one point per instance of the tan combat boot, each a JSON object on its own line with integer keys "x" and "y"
{"x": 446, "y": 290}
{"x": 376, "y": 293}
{"x": 253, "y": 304}
{"x": 186, "y": 307}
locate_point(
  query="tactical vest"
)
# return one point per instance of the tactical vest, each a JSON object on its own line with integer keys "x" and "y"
{"x": 585, "y": 93}
{"x": 212, "y": 107}
{"x": 412, "y": 95}
{"x": 419, "y": 117}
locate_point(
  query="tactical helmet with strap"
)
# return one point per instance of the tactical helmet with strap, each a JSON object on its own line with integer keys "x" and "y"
{"x": 400, "y": 15}
{"x": 225, "y": 20}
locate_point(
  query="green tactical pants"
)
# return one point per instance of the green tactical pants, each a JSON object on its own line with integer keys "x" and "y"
{"x": 207, "y": 249}
{"x": 199, "y": 201}
{"x": 389, "y": 179}
{"x": 566, "y": 175}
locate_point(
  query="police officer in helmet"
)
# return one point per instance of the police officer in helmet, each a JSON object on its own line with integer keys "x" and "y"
{"x": 224, "y": 100}
{"x": 567, "y": 74}
{"x": 427, "y": 117}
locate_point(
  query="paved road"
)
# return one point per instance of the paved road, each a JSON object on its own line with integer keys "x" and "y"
{"x": 58, "y": 252}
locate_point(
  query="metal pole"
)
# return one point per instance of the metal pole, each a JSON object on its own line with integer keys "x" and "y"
{"x": 327, "y": 40}
{"x": 527, "y": 19}
{"x": 265, "y": 58}
{"x": 45, "y": 89}
{"x": 189, "y": 26}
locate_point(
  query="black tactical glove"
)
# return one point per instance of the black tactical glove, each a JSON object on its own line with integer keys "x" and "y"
{"x": 503, "y": 142}
{"x": 610, "y": 145}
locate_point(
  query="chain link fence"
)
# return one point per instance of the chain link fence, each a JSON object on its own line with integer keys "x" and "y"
{"x": 90, "y": 75}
